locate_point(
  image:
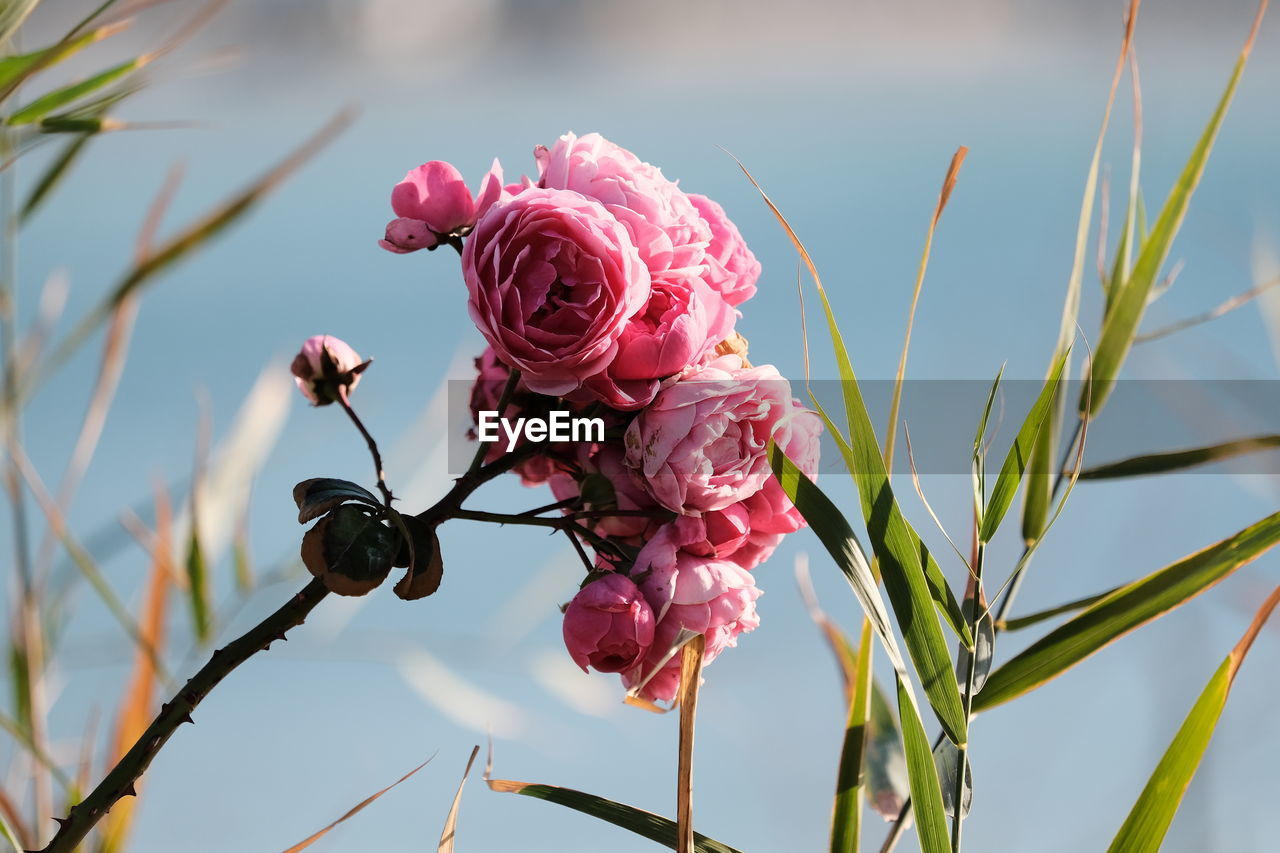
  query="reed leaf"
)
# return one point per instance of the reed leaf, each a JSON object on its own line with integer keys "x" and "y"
{"x": 911, "y": 577}
{"x": 645, "y": 824}
{"x": 1130, "y": 303}
{"x": 1015, "y": 462}
{"x": 1038, "y": 497}
{"x": 1122, "y": 611}
{"x": 352, "y": 812}
{"x": 14, "y": 70}
{"x": 450, "y": 831}
{"x": 1148, "y": 822}
{"x": 1180, "y": 460}
{"x": 926, "y": 790}
{"x": 67, "y": 95}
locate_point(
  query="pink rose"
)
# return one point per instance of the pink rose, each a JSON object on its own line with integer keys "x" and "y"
{"x": 607, "y": 461}
{"x": 325, "y": 369}
{"x": 608, "y": 626}
{"x": 701, "y": 444}
{"x": 715, "y": 598}
{"x": 732, "y": 269}
{"x": 665, "y": 227}
{"x": 433, "y": 204}
{"x": 553, "y": 278}
{"x": 678, "y": 327}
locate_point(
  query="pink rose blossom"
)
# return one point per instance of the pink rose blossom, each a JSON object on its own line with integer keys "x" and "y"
{"x": 665, "y": 227}
{"x": 553, "y": 278}
{"x": 607, "y": 461}
{"x": 732, "y": 269}
{"x": 715, "y": 598}
{"x": 608, "y": 626}
{"x": 679, "y": 326}
{"x": 325, "y": 369}
{"x": 700, "y": 445}
{"x": 433, "y": 203}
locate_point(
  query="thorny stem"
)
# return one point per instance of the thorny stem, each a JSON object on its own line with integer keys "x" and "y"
{"x": 120, "y": 781}
{"x": 373, "y": 445}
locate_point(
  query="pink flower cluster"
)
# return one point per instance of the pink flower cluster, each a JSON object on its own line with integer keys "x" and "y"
{"x": 614, "y": 293}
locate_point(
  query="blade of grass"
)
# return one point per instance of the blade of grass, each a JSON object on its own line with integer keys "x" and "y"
{"x": 912, "y": 589}
{"x": 1015, "y": 462}
{"x": 199, "y": 585}
{"x": 1148, "y": 822}
{"x": 53, "y": 174}
{"x": 948, "y": 184}
{"x": 645, "y": 824}
{"x": 67, "y": 95}
{"x": 12, "y": 14}
{"x": 136, "y": 703}
{"x": 855, "y": 671}
{"x": 190, "y": 238}
{"x": 846, "y": 818}
{"x": 20, "y": 66}
{"x": 1042, "y": 615}
{"x": 1179, "y": 460}
{"x": 1038, "y": 496}
{"x": 352, "y": 812}
{"x": 687, "y": 697}
{"x": 86, "y": 564}
{"x": 1226, "y": 307}
{"x": 450, "y": 831}
{"x": 1121, "y": 324}
{"x": 1122, "y": 611}
{"x": 926, "y": 789}
{"x": 831, "y": 528}
{"x": 7, "y": 833}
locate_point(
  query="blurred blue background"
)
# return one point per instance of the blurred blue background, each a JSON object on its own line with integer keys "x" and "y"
{"x": 847, "y": 113}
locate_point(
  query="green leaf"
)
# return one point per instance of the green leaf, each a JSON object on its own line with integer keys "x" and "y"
{"x": 885, "y": 766}
{"x": 317, "y": 496}
{"x": 53, "y": 174}
{"x": 831, "y": 528}
{"x": 1015, "y": 463}
{"x": 911, "y": 577}
{"x": 1177, "y": 460}
{"x": 926, "y": 791}
{"x": 1041, "y": 616}
{"x": 645, "y": 824}
{"x": 15, "y": 69}
{"x": 1127, "y": 608}
{"x": 7, "y": 833}
{"x": 66, "y": 95}
{"x": 846, "y": 816}
{"x": 1148, "y": 822}
{"x": 1121, "y": 324}
{"x": 12, "y": 14}
{"x": 192, "y": 237}
{"x": 946, "y": 756}
{"x": 198, "y": 585}
{"x": 1039, "y": 491}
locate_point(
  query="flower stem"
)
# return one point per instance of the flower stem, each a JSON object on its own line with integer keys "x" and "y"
{"x": 373, "y": 445}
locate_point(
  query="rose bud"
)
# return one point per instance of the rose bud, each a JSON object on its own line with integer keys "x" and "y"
{"x": 326, "y": 369}
{"x": 433, "y": 204}
{"x": 608, "y": 625}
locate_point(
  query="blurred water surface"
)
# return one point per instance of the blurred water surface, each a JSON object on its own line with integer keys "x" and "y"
{"x": 847, "y": 113}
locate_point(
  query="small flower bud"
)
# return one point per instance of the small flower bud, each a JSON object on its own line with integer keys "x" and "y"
{"x": 325, "y": 368}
